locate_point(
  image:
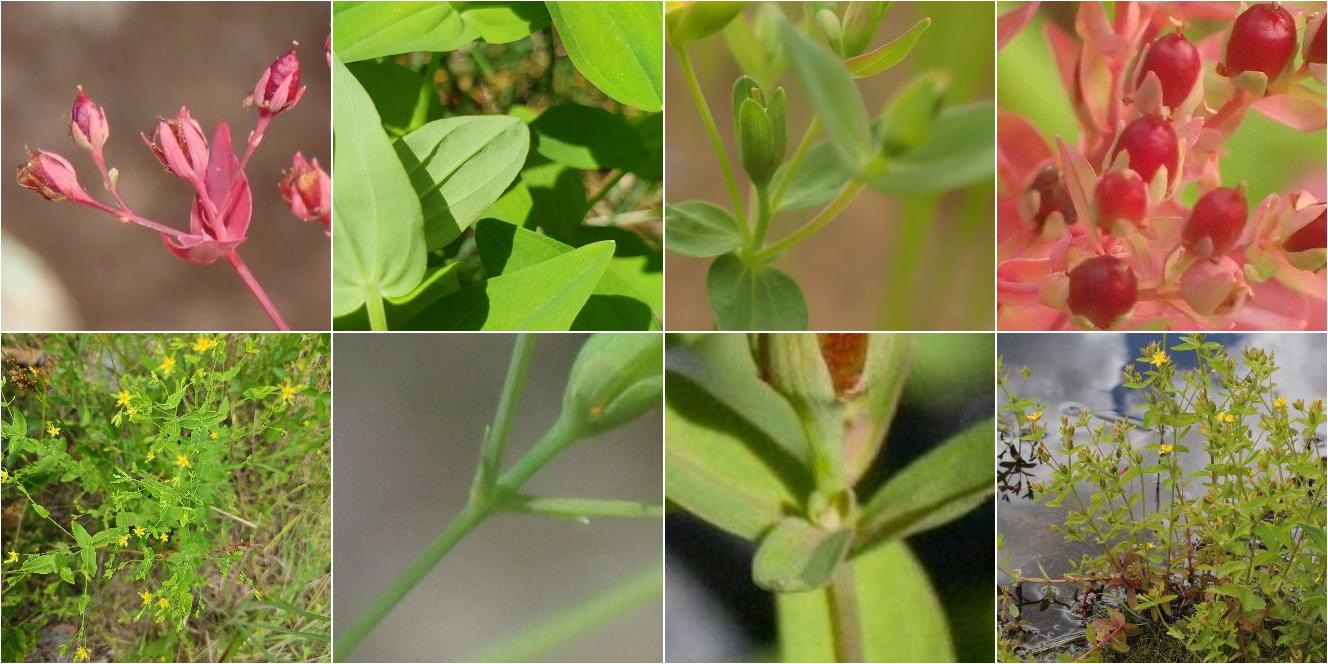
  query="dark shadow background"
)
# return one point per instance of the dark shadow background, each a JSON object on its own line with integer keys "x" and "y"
{"x": 141, "y": 60}
{"x": 411, "y": 411}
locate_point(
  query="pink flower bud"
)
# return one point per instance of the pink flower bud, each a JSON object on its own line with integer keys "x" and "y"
{"x": 1214, "y": 287}
{"x": 180, "y": 145}
{"x": 308, "y": 190}
{"x": 278, "y": 89}
{"x": 52, "y": 176}
{"x": 87, "y": 123}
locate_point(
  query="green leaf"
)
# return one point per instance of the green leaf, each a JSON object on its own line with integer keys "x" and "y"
{"x": 202, "y": 419}
{"x": 797, "y": 556}
{"x": 545, "y": 297}
{"x": 620, "y": 301}
{"x": 754, "y": 298}
{"x": 689, "y": 21}
{"x": 902, "y": 617}
{"x": 828, "y": 85}
{"x": 887, "y": 55}
{"x": 378, "y": 243}
{"x": 700, "y": 229}
{"x": 588, "y": 138}
{"x": 395, "y": 90}
{"x": 364, "y": 30}
{"x": 87, "y": 550}
{"x": 723, "y": 469}
{"x": 819, "y": 179}
{"x": 617, "y": 46}
{"x": 942, "y": 485}
{"x": 503, "y": 21}
{"x": 459, "y": 167}
{"x": 67, "y": 575}
{"x": 40, "y": 564}
{"x": 960, "y": 151}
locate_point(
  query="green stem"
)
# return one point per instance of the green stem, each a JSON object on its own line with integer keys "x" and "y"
{"x": 846, "y": 625}
{"x": 495, "y": 443}
{"x": 582, "y": 508}
{"x": 825, "y": 216}
{"x": 421, "y": 111}
{"x": 717, "y": 143}
{"x": 377, "y": 313}
{"x": 762, "y": 217}
{"x": 558, "y": 437}
{"x": 909, "y": 246}
{"x": 604, "y": 190}
{"x": 567, "y": 624}
{"x": 795, "y": 162}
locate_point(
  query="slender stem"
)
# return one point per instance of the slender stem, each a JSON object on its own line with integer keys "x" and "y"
{"x": 581, "y": 508}
{"x": 130, "y": 216}
{"x": 703, "y": 108}
{"x": 604, "y": 190}
{"x": 762, "y": 216}
{"x": 846, "y": 625}
{"x": 495, "y": 443}
{"x": 825, "y": 216}
{"x": 373, "y": 304}
{"x": 795, "y": 162}
{"x": 254, "y": 287}
{"x": 346, "y": 642}
{"x": 555, "y": 440}
{"x": 421, "y": 111}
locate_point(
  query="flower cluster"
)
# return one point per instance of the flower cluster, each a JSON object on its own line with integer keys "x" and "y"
{"x": 1094, "y": 234}
{"x": 222, "y": 201}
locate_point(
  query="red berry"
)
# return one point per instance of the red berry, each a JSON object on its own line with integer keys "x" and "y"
{"x": 1313, "y": 235}
{"x": 1102, "y": 289}
{"x": 1175, "y": 62}
{"x": 1120, "y": 194}
{"x": 1151, "y": 144}
{"x": 1262, "y": 39}
{"x": 1315, "y": 53}
{"x": 1216, "y": 222}
{"x": 1052, "y": 197}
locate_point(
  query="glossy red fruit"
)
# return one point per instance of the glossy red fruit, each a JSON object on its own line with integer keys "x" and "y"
{"x": 1176, "y": 63}
{"x": 1216, "y": 222}
{"x": 1262, "y": 39}
{"x": 1151, "y": 143}
{"x": 1120, "y": 194}
{"x": 1314, "y": 54}
{"x": 1313, "y": 235}
{"x": 1052, "y": 197}
{"x": 1102, "y": 289}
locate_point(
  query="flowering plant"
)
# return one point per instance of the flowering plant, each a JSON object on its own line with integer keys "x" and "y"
{"x": 1097, "y": 233}
{"x": 222, "y": 201}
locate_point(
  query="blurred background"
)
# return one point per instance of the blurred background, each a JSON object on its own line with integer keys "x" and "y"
{"x": 70, "y": 267}
{"x": 411, "y": 411}
{"x": 876, "y": 266}
{"x": 715, "y": 613}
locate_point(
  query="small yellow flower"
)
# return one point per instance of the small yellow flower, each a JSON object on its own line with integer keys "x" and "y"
{"x": 1226, "y": 417}
{"x": 1152, "y": 545}
{"x": 1034, "y": 416}
{"x": 122, "y": 398}
{"x": 81, "y": 654}
{"x": 4, "y": 475}
{"x": 151, "y": 455}
{"x": 1280, "y": 403}
{"x": 204, "y": 344}
{"x": 138, "y": 531}
{"x": 287, "y": 393}
{"x": 12, "y": 557}
{"x": 147, "y": 597}
{"x": 167, "y": 366}
{"x": 132, "y": 411}
{"x": 181, "y": 460}
{"x": 163, "y": 537}
{"x": 52, "y": 430}
{"x": 1165, "y": 448}
{"x": 213, "y": 435}
{"x": 124, "y": 540}
{"x": 1159, "y": 358}
{"x": 163, "y": 602}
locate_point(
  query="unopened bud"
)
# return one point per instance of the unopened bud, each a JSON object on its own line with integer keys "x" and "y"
{"x": 87, "y": 123}
{"x": 615, "y": 379}
{"x": 308, "y": 191}
{"x": 760, "y": 122}
{"x": 688, "y": 21}
{"x": 1214, "y": 287}
{"x": 52, "y": 176}
{"x": 278, "y": 89}
{"x": 179, "y": 145}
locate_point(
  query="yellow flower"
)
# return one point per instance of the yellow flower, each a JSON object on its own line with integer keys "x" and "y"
{"x": 124, "y": 540}
{"x": 287, "y": 393}
{"x": 1159, "y": 358}
{"x": 122, "y": 398}
{"x": 1226, "y": 417}
{"x": 138, "y": 531}
{"x": 81, "y": 654}
{"x": 52, "y": 430}
{"x": 163, "y": 602}
{"x": 147, "y": 597}
{"x": 1280, "y": 403}
{"x": 204, "y": 344}
{"x": 4, "y": 475}
{"x": 1165, "y": 448}
{"x": 167, "y": 365}
{"x": 12, "y": 557}
{"x": 213, "y": 435}
{"x": 1034, "y": 416}
{"x": 151, "y": 455}
{"x": 163, "y": 537}
{"x": 132, "y": 411}
{"x": 181, "y": 460}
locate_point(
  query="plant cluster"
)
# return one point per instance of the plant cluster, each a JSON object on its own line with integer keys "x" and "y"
{"x": 615, "y": 379}
{"x": 917, "y": 145}
{"x": 768, "y": 437}
{"x": 464, "y": 182}
{"x": 1098, "y": 234}
{"x": 222, "y": 204}
{"x": 1228, "y": 559}
{"x": 166, "y": 495}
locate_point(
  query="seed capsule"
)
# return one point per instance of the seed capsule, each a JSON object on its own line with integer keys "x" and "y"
{"x": 1176, "y": 63}
{"x": 1151, "y": 144}
{"x": 1102, "y": 289}
{"x": 1263, "y": 39}
{"x": 1216, "y": 222}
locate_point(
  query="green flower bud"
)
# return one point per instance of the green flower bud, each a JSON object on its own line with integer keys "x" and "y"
{"x": 859, "y": 25}
{"x": 615, "y": 379}
{"x": 760, "y": 125}
{"x": 688, "y": 21}
{"x": 908, "y": 120}
{"x": 828, "y": 22}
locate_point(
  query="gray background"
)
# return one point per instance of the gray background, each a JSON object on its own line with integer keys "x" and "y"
{"x": 410, "y": 413}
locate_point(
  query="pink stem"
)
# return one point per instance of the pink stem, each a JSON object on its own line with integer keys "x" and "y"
{"x": 127, "y": 215}
{"x": 248, "y": 278}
